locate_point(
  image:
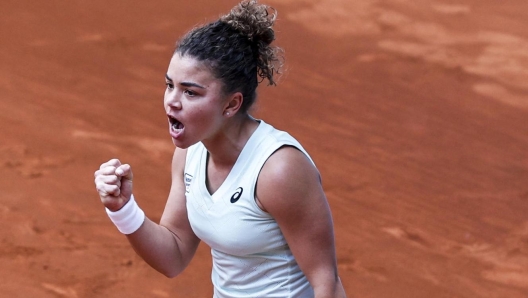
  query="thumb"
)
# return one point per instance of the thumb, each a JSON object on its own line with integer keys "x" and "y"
{"x": 124, "y": 172}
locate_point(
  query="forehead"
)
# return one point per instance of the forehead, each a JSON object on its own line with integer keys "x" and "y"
{"x": 184, "y": 68}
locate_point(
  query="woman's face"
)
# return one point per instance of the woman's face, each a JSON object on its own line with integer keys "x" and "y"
{"x": 193, "y": 101}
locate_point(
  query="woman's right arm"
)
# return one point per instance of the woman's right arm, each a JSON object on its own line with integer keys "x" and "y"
{"x": 170, "y": 245}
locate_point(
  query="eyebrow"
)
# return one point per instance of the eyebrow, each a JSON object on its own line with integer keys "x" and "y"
{"x": 185, "y": 84}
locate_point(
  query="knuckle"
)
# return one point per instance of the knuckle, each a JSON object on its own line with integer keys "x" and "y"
{"x": 108, "y": 170}
{"x": 101, "y": 189}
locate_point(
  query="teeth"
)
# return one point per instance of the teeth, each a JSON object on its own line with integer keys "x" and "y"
{"x": 175, "y": 125}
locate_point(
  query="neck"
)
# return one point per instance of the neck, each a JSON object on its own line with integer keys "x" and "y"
{"x": 226, "y": 146}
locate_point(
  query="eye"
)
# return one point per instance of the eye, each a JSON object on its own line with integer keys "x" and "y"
{"x": 189, "y": 93}
{"x": 169, "y": 85}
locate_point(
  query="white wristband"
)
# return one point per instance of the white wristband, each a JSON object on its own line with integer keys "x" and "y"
{"x": 129, "y": 218}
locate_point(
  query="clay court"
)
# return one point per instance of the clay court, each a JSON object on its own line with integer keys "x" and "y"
{"x": 415, "y": 112}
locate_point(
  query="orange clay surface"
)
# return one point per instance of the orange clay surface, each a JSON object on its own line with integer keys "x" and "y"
{"x": 416, "y": 113}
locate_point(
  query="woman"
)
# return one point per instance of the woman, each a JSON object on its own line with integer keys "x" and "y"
{"x": 251, "y": 192}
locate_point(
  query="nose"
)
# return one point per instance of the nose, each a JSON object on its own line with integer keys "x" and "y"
{"x": 172, "y": 101}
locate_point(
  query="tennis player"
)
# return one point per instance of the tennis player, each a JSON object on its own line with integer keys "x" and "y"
{"x": 248, "y": 190}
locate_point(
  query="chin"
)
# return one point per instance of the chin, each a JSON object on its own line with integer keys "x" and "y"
{"x": 180, "y": 145}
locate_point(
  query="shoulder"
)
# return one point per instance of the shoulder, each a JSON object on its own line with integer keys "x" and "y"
{"x": 285, "y": 162}
{"x": 182, "y": 156}
{"x": 287, "y": 177}
{"x": 178, "y": 161}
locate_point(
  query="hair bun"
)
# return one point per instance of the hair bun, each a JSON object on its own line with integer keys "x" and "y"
{"x": 252, "y": 20}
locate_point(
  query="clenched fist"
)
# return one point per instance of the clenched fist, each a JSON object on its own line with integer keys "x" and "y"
{"x": 113, "y": 182}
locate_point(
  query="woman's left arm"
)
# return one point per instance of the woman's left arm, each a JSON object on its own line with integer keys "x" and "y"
{"x": 289, "y": 188}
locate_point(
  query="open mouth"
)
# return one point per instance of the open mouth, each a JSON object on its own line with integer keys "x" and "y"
{"x": 175, "y": 124}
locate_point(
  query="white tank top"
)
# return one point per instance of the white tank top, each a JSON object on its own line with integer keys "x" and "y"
{"x": 250, "y": 255}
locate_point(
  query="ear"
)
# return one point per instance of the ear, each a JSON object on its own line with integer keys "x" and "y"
{"x": 233, "y": 104}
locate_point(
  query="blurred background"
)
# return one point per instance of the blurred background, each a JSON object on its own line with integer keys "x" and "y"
{"x": 415, "y": 112}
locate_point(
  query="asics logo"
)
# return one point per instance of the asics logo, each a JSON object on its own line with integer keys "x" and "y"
{"x": 237, "y": 195}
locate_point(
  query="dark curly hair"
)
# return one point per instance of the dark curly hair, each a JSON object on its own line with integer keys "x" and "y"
{"x": 237, "y": 49}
